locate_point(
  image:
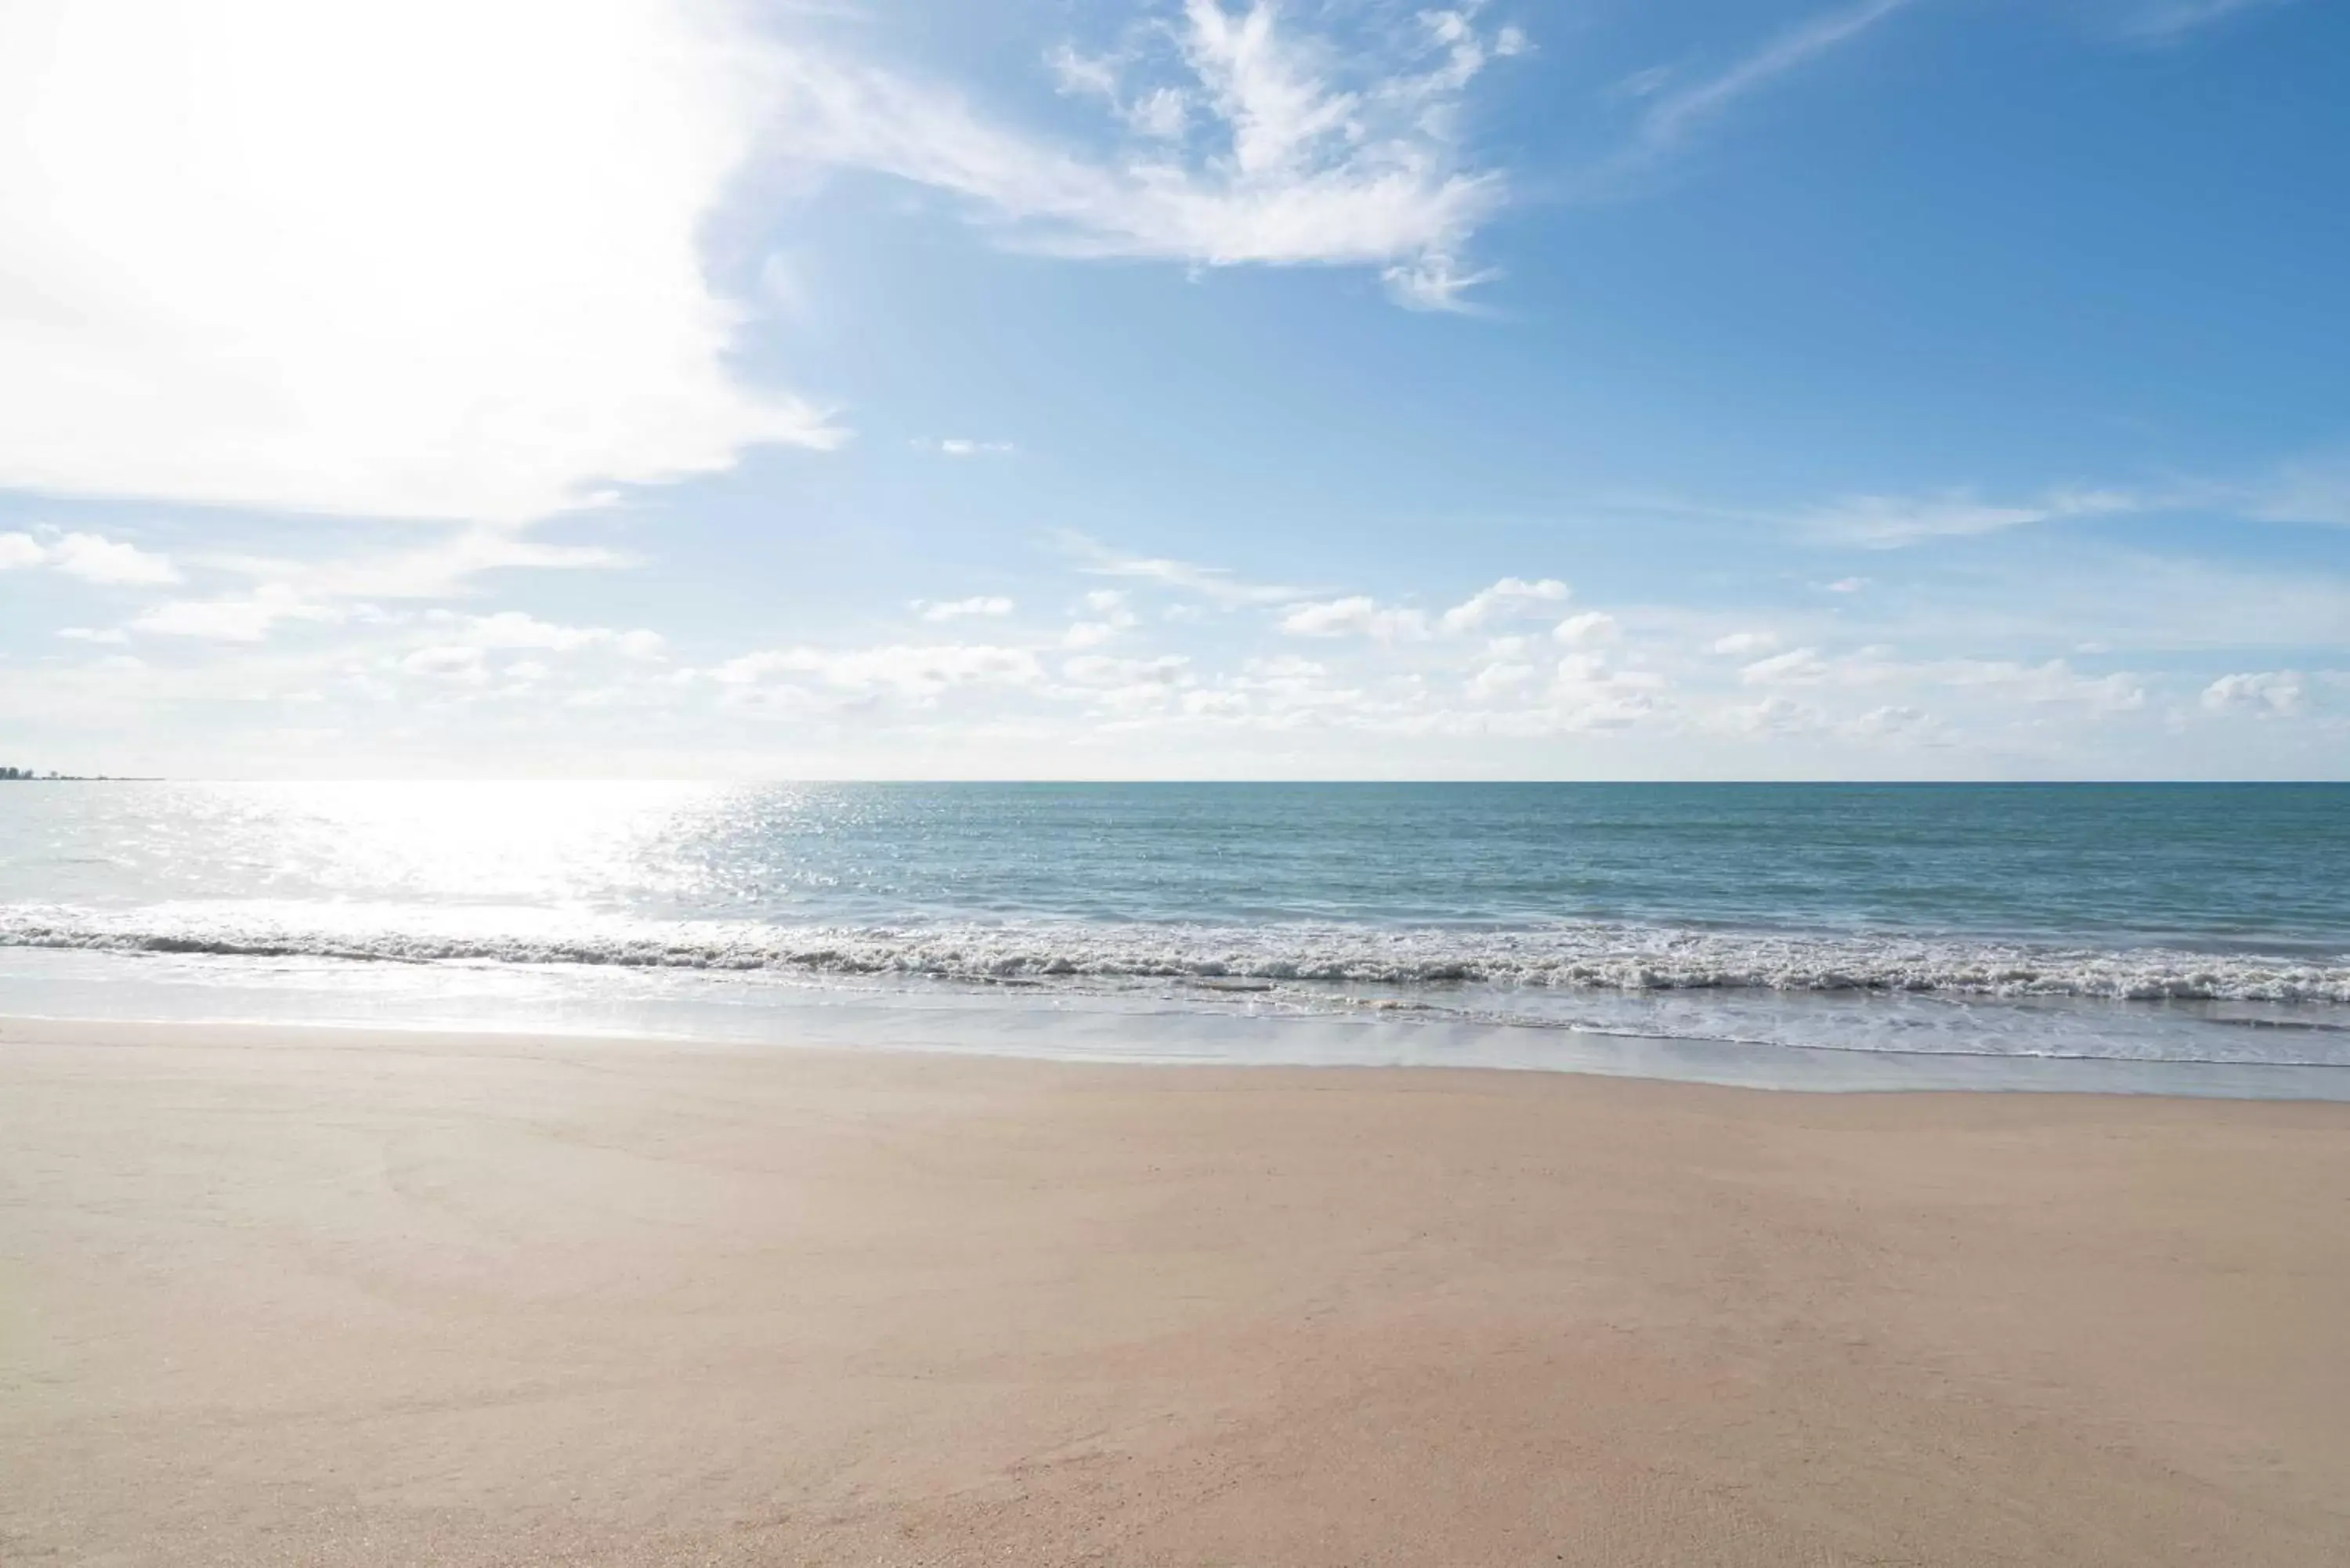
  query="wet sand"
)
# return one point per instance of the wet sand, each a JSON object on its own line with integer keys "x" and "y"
{"x": 327, "y": 1297}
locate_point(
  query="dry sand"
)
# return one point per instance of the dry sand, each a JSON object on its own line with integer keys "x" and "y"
{"x": 285, "y": 1296}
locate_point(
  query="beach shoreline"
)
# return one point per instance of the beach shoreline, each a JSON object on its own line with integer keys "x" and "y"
{"x": 285, "y": 1295}
{"x": 1834, "y": 1043}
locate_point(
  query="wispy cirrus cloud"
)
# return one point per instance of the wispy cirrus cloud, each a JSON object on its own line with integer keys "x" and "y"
{"x": 1675, "y": 114}
{"x": 1211, "y": 583}
{"x": 1249, "y": 141}
{"x": 2172, "y": 21}
{"x": 1888, "y": 521}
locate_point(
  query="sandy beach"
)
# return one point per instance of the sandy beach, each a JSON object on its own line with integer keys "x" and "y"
{"x": 327, "y": 1297}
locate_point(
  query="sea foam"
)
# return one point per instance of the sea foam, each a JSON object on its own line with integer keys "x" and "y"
{"x": 1600, "y": 957}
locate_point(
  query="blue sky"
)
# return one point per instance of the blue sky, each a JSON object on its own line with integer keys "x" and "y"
{"x": 1903, "y": 389}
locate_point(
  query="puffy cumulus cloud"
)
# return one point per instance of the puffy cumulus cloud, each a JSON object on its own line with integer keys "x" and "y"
{"x": 963, "y": 446}
{"x": 1509, "y": 597}
{"x": 92, "y": 557}
{"x": 1591, "y": 626}
{"x": 428, "y": 259}
{"x": 958, "y": 610}
{"x": 1738, "y": 643}
{"x": 1130, "y": 688}
{"x": 1248, "y": 141}
{"x": 1112, "y": 615}
{"x": 1892, "y": 722}
{"x": 1501, "y": 680}
{"x": 1356, "y": 615}
{"x": 2053, "y": 682}
{"x": 2279, "y": 693}
{"x": 1589, "y": 691}
{"x": 95, "y": 559}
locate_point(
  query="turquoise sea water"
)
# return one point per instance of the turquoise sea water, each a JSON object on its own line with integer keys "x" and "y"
{"x": 2164, "y": 923}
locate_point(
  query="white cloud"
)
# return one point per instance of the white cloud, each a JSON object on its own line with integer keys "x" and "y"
{"x": 1084, "y": 73}
{"x": 95, "y": 559}
{"x": 247, "y": 619}
{"x": 1103, "y": 670}
{"x": 1884, "y": 521}
{"x": 2053, "y": 682}
{"x": 1673, "y": 116}
{"x": 2264, "y": 693}
{"x": 1356, "y": 615}
{"x": 1796, "y": 666}
{"x": 94, "y": 634}
{"x": 1499, "y": 679}
{"x": 1592, "y": 626}
{"x": 514, "y": 630}
{"x": 1113, "y": 615}
{"x": 1739, "y": 643}
{"x": 1587, "y": 693}
{"x": 431, "y": 259}
{"x": 92, "y": 557}
{"x": 1257, "y": 144}
{"x": 1847, "y": 585}
{"x": 957, "y": 609}
{"x": 1510, "y": 596}
{"x": 907, "y": 672}
{"x": 453, "y": 661}
{"x": 433, "y": 571}
{"x": 1211, "y": 583}
{"x": 1892, "y": 721}
{"x": 1773, "y": 715}
{"x": 1162, "y": 112}
{"x": 962, "y": 446}
{"x": 2168, "y": 21}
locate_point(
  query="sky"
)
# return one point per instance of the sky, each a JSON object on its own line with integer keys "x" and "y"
{"x": 1531, "y": 388}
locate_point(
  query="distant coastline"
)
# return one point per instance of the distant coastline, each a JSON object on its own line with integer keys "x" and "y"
{"x": 30, "y": 776}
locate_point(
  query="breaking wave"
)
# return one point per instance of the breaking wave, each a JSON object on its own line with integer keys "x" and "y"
{"x": 1619, "y": 958}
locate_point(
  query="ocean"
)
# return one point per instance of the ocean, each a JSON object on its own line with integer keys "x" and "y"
{"x": 2177, "y": 937}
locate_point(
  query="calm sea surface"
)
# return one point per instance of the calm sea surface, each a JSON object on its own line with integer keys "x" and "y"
{"x": 2165, "y": 923}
